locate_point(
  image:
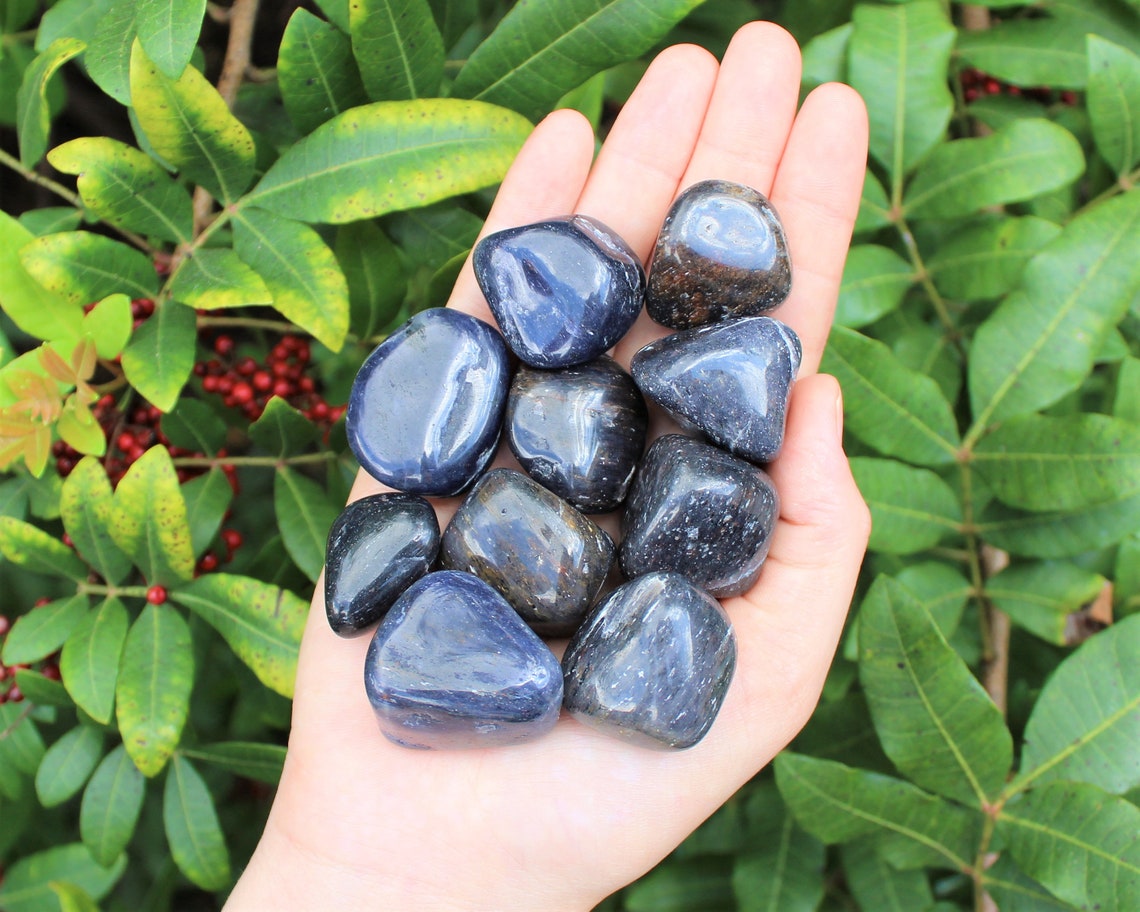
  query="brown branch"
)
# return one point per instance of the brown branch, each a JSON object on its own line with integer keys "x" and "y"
{"x": 975, "y": 18}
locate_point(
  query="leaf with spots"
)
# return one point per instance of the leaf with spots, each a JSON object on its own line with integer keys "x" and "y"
{"x": 149, "y": 521}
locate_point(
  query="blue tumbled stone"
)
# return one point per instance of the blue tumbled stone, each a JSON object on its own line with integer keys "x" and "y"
{"x": 652, "y": 663}
{"x": 732, "y": 380}
{"x": 563, "y": 291}
{"x": 427, "y": 406}
{"x": 453, "y": 666}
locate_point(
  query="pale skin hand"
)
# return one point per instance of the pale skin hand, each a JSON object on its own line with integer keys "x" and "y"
{"x": 563, "y": 821}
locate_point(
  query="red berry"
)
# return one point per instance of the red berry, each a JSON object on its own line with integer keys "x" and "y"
{"x": 305, "y": 384}
{"x": 224, "y": 346}
{"x": 40, "y": 602}
{"x": 262, "y": 381}
{"x": 156, "y": 595}
{"x": 246, "y": 367}
{"x": 210, "y": 384}
{"x": 64, "y": 465}
{"x": 243, "y": 393}
{"x": 15, "y": 695}
{"x": 5, "y": 624}
{"x": 208, "y": 562}
{"x": 279, "y": 353}
{"x": 200, "y": 369}
{"x": 50, "y": 671}
{"x": 1068, "y": 97}
{"x": 282, "y": 388}
{"x": 3, "y": 672}
{"x": 125, "y": 441}
{"x": 992, "y": 86}
{"x": 319, "y": 410}
{"x": 66, "y": 539}
{"x": 232, "y": 538}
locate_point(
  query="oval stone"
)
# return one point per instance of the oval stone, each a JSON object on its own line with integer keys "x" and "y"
{"x": 732, "y": 380}
{"x": 547, "y": 559}
{"x": 700, "y": 512}
{"x": 452, "y": 666}
{"x": 721, "y": 253}
{"x": 377, "y": 547}
{"x": 652, "y": 664}
{"x": 563, "y": 291}
{"x": 578, "y": 431}
{"x": 427, "y": 406}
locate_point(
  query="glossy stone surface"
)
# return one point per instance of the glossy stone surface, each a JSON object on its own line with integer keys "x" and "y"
{"x": 732, "y": 380}
{"x": 563, "y": 291}
{"x": 427, "y": 406}
{"x": 652, "y": 663}
{"x": 377, "y": 547}
{"x": 547, "y": 559}
{"x": 578, "y": 431}
{"x": 452, "y": 666}
{"x": 721, "y": 253}
{"x": 700, "y": 512}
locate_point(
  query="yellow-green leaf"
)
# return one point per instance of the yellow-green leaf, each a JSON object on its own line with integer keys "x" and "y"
{"x": 67, "y": 764}
{"x": 85, "y": 267}
{"x": 87, "y": 505}
{"x": 111, "y": 805}
{"x": 215, "y": 278}
{"x": 43, "y": 630}
{"x": 30, "y": 547}
{"x": 168, "y": 31}
{"x": 397, "y": 47}
{"x": 149, "y": 521}
{"x": 316, "y": 71}
{"x": 192, "y": 828}
{"x": 160, "y": 356}
{"x": 37, "y": 311}
{"x": 109, "y": 324}
{"x": 33, "y": 118}
{"x": 89, "y": 663}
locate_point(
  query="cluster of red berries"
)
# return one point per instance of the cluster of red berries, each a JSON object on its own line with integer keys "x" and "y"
{"x": 9, "y": 690}
{"x": 245, "y": 384}
{"x": 976, "y": 84}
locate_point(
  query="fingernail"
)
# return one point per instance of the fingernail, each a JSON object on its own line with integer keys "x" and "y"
{"x": 839, "y": 418}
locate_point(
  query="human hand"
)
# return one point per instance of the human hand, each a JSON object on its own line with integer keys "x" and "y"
{"x": 561, "y": 822}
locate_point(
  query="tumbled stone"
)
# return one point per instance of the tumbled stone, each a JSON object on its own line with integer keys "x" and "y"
{"x": 732, "y": 380}
{"x": 453, "y": 666}
{"x": 377, "y": 547}
{"x": 563, "y": 291}
{"x": 427, "y": 406}
{"x": 701, "y": 512}
{"x": 652, "y": 663}
{"x": 721, "y": 253}
{"x": 578, "y": 431}
{"x": 547, "y": 559}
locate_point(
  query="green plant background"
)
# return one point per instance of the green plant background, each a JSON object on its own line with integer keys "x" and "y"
{"x": 979, "y": 734}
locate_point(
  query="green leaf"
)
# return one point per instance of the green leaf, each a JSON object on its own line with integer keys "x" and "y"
{"x": 1127, "y": 403}
{"x": 282, "y": 430}
{"x": 934, "y": 720}
{"x": 152, "y": 696}
{"x": 1040, "y": 597}
{"x": 67, "y": 764}
{"x": 43, "y": 630}
{"x": 537, "y": 52}
{"x": 83, "y": 266}
{"x": 190, "y": 125}
{"x": 1041, "y": 341}
{"x": 896, "y": 410}
{"x": 300, "y": 271}
{"x": 874, "y": 207}
{"x": 111, "y": 805}
{"x": 941, "y": 589}
{"x": 51, "y": 219}
{"x": 986, "y": 260}
{"x": 1080, "y": 843}
{"x": 89, "y": 663}
{"x": 160, "y": 356}
{"x": 836, "y": 803}
{"x": 825, "y": 56}
{"x": 1014, "y": 892}
{"x": 304, "y": 516}
{"x": 876, "y": 885}
{"x": 108, "y": 57}
{"x": 150, "y": 519}
{"x": 168, "y": 31}
{"x": 215, "y": 278}
{"x": 336, "y": 11}
{"x": 207, "y": 499}
{"x": 315, "y": 71}
{"x": 69, "y": 19}
{"x": 261, "y": 623}
{"x": 251, "y": 759}
{"x": 911, "y": 509}
{"x": 782, "y": 866}
{"x": 391, "y": 155}
{"x": 375, "y": 276}
{"x": 1114, "y": 103}
{"x": 30, "y": 547}
{"x": 1028, "y": 53}
{"x": 109, "y": 324}
{"x": 1126, "y": 578}
{"x": 126, "y": 187}
{"x": 33, "y": 116}
{"x": 1059, "y": 533}
{"x": 192, "y": 828}
{"x": 41, "y": 690}
{"x": 874, "y": 282}
{"x": 678, "y": 885}
{"x": 1086, "y": 723}
{"x": 28, "y": 883}
{"x": 72, "y": 898}
{"x": 86, "y": 505}
{"x": 21, "y": 748}
{"x": 194, "y": 426}
{"x": 398, "y": 48}
{"x": 34, "y": 309}
{"x": 898, "y": 58}
{"x": 434, "y": 234}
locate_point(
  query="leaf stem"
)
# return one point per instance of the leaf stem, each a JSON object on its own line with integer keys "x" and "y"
{"x": 210, "y": 462}
{"x": 932, "y": 293}
{"x": 1123, "y": 184}
{"x": 280, "y": 326}
{"x": 111, "y": 591}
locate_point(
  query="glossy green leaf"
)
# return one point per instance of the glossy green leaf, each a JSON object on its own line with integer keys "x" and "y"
{"x": 680, "y": 884}
{"x": 109, "y": 325}
{"x": 1039, "y": 597}
{"x": 72, "y": 898}
{"x": 911, "y": 509}
{"x": 934, "y": 720}
{"x": 126, "y": 187}
{"x": 397, "y": 47}
{"x": 894, "y": 409}
{"x": 261, "y": 623}
{"x": 30, "y": 547}
{"x": 168, "y": 31}
{"x": 1126, "y": 578}
{"x": 41, "y": 690}
{"x": 69, "y": 19}
{"x": 86, "y": 505}
{"x": 34, "y": 309}
{"x": 21, "y": 748}
{"x": 190, "y": 125}
{"x": 1013, "y": 891}
{"x": 1114, "y": 103}
{"x": 304, "y": 516}
{"x": 43, "y": 630}
{"x": 942, "y": 590}
{"x": 108, "y": 57}
{"x": 1081, "y": 843}
{"x": 150, "y": 519}
{"x": 986, "y": 260}
{"x": 316, "y": 71}
{"x": 781, "y": 867}
{"x": 1107, "y": 18}
{"x": 1041, "y": 341}
{"x": 160, "y": 356}
{"x": 251, "y": 759}
{"x": 912, "y": 828}
{"x": 299, "y": 270}
{"x": 876, "y": 885}
{"x": 27, "y": 885}
{"x": 216, "y": 278}
{"x": 67, "y": 764}
{"x": 51, "y": 220}
{"x": 392, "y": 155}
{"x": 89, "y": 663}
{"x": 84, "y": 267}
{"x": 874, "y": 282}
{"x": 375, "y": 276}
{"x": 874, "y": 206}
{"x": 336, "y": 11}
{"x": 33, "y": 116}
{"x": 434, "y": 234}
{"x": 195, "y": 426}
{"x": 1028, "y": 52}
{"x": 207, "y": 499}
{"x": 1127, "y": 403}
{"x": 282, "y": 430}
{"x": 1020, "y": 161}
{"x": 111, "y": 805}
{"x": 825, "y": 56}
{"x": 192, "y": 828}
{"x": 152, "y": 696}
{"x": 1059, "y": 533}
{"x": 898, "y": 56}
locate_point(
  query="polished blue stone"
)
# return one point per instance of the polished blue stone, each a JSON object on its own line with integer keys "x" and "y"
{"x": 427, "y": 406}
{"x": 453, "y": 666}
{"x": 652, "y": 663}
{"x": 377, "y": 547}
{"x": 732, "y": 380}
{"x": 563, "y": 291}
